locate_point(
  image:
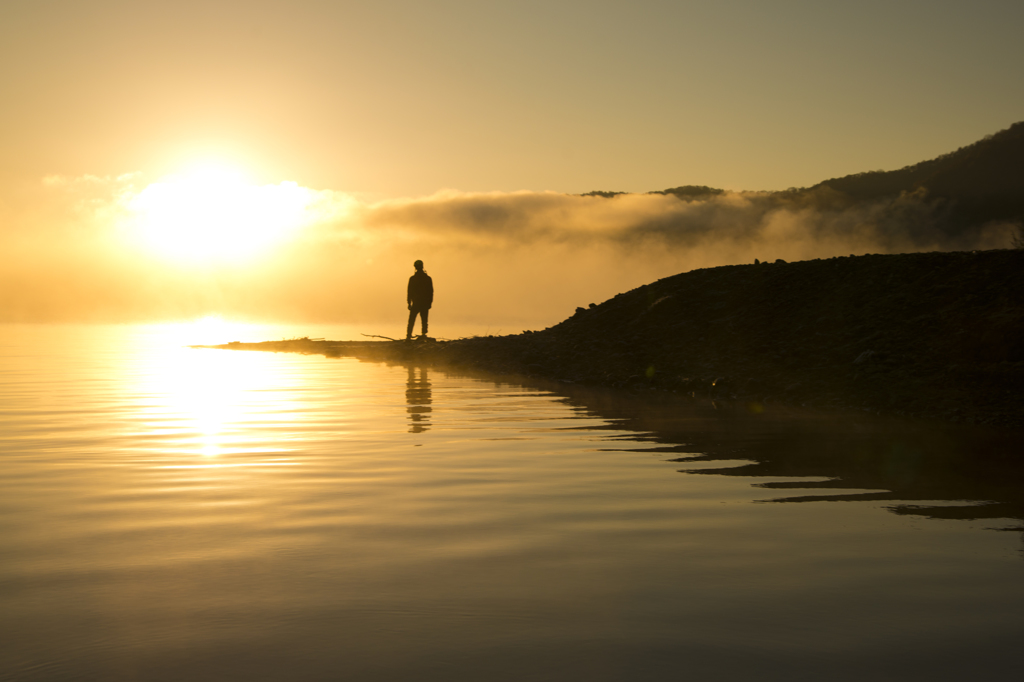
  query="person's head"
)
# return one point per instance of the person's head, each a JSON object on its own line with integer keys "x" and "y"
{"x": 418, "y": 265}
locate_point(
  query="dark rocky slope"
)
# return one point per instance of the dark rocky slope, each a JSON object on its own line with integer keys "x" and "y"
{"x": 932, "y": 335}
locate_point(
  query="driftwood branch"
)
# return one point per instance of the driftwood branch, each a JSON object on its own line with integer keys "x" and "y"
{"x": 375, "y": 336}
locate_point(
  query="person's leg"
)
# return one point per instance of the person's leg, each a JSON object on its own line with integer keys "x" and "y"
{"x": 424, "y": 314}
{"x": 412, "y": 321}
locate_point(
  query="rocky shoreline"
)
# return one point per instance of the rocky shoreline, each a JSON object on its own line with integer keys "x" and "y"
{"x": 938, "y": 336}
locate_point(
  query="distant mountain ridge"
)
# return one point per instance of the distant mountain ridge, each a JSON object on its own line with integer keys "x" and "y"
{"x": 974, "y": 185}
{"x": 982, "y": 182}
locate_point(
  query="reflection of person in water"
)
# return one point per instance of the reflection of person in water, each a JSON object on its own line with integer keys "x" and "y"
{"x": 417, "y": 396}
{"x": 419, "y": 297}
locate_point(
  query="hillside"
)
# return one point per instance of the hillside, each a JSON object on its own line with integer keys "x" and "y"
{"x": 965, "y": 189}
{"x": 980, "y": 183}
{"x": 928, "y": 335}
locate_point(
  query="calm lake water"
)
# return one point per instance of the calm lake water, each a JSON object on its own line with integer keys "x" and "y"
{"x": 169, "y": 513}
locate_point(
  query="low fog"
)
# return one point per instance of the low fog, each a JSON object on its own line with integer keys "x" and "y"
{"x": 511, "y": 260}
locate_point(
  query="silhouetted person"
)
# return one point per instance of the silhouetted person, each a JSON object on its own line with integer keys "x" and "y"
{"x": 420, "y": 298}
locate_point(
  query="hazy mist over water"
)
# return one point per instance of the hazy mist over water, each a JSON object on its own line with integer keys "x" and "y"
{"x": 77, "y": 251}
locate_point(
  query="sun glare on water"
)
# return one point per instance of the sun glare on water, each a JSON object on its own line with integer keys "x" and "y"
{"x": 211, "y": 402}
{"x": 214, "y": 214}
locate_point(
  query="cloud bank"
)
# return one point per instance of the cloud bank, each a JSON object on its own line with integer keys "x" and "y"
{"x": 71, "y": 252}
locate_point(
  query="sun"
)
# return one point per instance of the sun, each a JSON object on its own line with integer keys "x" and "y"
{"x": 213, "y": 214}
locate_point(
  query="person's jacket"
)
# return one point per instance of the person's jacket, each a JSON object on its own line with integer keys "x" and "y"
{"x": 421, "y": 290}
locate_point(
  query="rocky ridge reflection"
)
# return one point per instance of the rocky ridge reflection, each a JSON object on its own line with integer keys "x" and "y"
{"x": 925, "y": 469}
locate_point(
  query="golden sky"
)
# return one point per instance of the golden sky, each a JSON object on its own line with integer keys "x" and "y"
{"x": 164, "y": 150}
{"x": 402, "y": 98}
